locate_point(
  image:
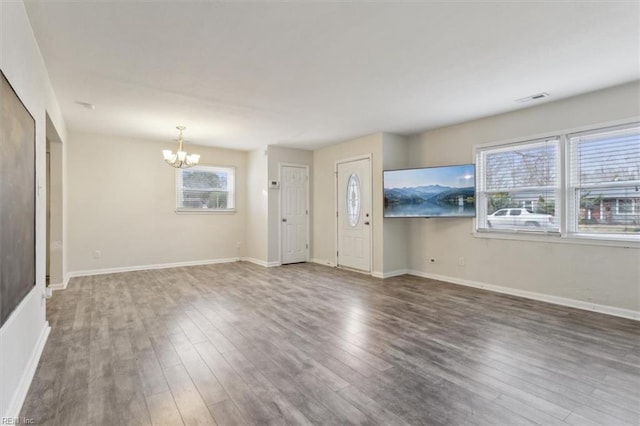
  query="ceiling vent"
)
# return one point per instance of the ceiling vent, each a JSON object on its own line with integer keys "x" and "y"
{"x": 535, "y": 97}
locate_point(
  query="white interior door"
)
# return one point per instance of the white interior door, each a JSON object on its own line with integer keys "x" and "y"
{"x": 294, "y": 214}
{"x": 354, "y": 214}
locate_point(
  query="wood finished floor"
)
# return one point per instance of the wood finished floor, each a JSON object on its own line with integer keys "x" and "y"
{"x": 307, "y": 344}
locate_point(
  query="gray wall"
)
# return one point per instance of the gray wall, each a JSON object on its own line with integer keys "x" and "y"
{"x": 591, "y": 273}
{"x": 257, "y": 207}
{"x": 324, "y": 197}
{"x": 278, "y": 155}
{"x": 124, "y": 206}
{"x": 56, "y": 276}
{"x": 395, "y": 230}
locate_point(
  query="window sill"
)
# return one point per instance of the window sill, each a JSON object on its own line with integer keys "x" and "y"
{"x": 555, "y": 238}
{"x": 205, "y": 211}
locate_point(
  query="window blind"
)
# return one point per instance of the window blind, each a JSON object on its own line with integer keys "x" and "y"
{"x": 518, "y": 186}
{"x": 604, "y": 181}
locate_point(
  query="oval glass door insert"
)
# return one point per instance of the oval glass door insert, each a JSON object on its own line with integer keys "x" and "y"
{"x": 353, "y": 200}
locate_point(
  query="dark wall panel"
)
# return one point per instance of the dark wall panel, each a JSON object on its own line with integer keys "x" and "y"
{"x": 17, "y": 201}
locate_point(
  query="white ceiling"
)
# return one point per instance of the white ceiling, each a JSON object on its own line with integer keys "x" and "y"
{"x": 306, "y": 74}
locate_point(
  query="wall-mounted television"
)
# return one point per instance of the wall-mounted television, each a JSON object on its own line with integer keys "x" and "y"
{"x": 447, "y": 191}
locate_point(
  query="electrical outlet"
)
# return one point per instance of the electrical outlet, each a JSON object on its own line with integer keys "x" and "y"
{"x": 461, "y": 261}
{"x": 432, "y": 260}
{"x": 97, "y": 254}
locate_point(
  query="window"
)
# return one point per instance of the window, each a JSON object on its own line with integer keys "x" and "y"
{"x": 353, "y": 200}
{"x": 521, "y": 187}
{"x": 518, "y": 186}
{"x": 626, "y": 206}
{"x": 205, "y": 189}
{"x": 604, "y": 181}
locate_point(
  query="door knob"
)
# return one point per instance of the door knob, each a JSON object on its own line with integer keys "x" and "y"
{"x": 284, "y": 219}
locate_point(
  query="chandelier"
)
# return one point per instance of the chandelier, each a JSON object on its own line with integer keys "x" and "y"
{"x": 180, "y": 160}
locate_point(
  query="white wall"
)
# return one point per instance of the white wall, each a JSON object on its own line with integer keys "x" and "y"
{"x": 257, "y": 207}
{"x": 591, "y": 274}
{"x": 279, "y": 155}
{"x": 324, "y": 197}
{"x": 23, "y": 336}
{"x": 121, "y": 201}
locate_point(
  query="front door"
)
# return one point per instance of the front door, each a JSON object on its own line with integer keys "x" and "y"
{"x": 354, "y": 214}
{"x": 295, "y": 213}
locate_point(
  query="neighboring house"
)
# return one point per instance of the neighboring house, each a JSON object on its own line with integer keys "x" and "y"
{"x": 611, "y": 206}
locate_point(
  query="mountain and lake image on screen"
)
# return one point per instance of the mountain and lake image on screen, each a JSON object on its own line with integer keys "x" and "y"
{"x": 447, "y": 191}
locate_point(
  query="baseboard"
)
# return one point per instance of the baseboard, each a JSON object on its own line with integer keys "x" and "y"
{"x": 556, "y": 300}
{"x": 65, "y": 284}
{"x": 27, "y": 376}
{"x": 375, "y": 274}
{"x": 389, "y": 274}
{"x": 323, "y": 262}
{"x": 145, "y": 268}
{"x": 60, "y": 286}
{"x": 260, "y": 262}
{"x": 357, "y": 271}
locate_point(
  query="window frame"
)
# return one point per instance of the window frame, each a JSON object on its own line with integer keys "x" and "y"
{"x": 573, "y": 202}
{"x": 231, "y": 193}
{"x": 481, "y": 197}
{"x": 565, "y": 236}
{"x": 620, "y": 206}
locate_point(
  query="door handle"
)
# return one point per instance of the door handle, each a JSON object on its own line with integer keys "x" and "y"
{"x": 366, "y": 223}
{"x": 284, "y": 219}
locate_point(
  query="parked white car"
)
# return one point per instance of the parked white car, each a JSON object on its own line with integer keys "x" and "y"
{"x": 519, "y": 218}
